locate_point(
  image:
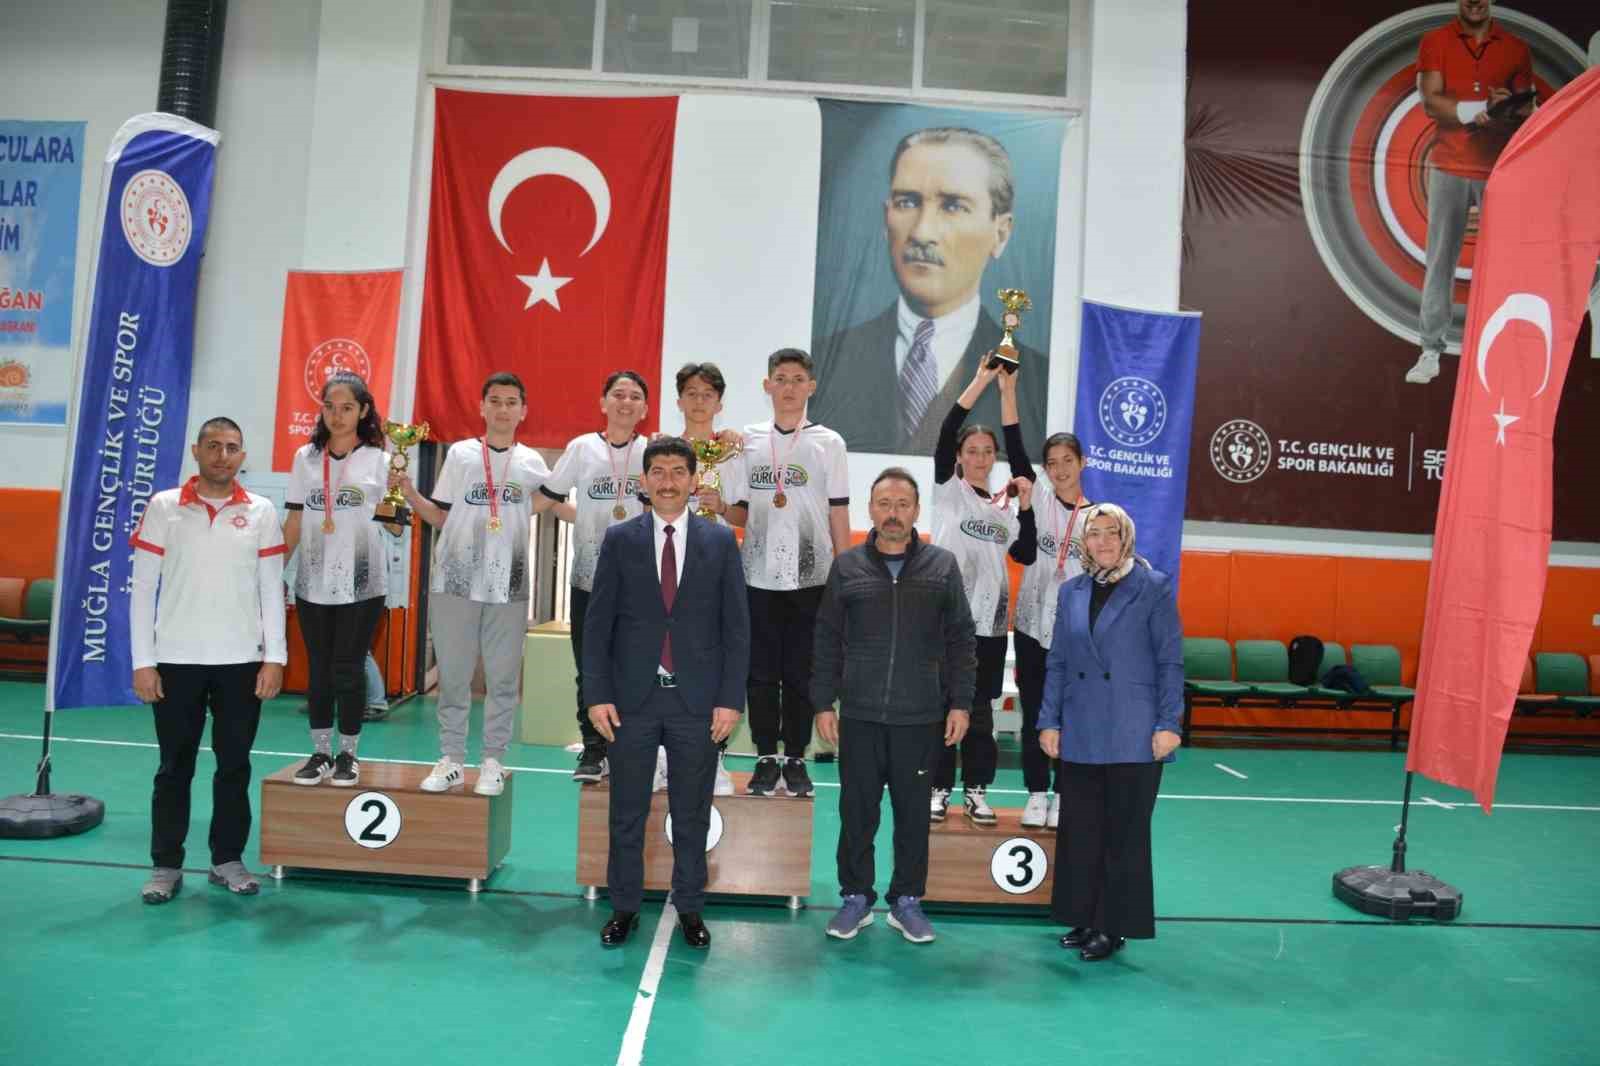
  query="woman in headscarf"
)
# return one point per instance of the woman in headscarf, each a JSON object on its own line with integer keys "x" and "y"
{"x": 1113, "y": 702}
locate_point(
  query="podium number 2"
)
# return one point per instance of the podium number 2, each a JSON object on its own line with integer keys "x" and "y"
{"x": 1018, "y": 866}
{"x": 372, "y": 820}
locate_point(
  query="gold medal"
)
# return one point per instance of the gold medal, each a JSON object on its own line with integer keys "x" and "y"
{"x": 780, "y": 500}
{"x": 619, "y": 512}
{"x": 327, "y": 524}
{"x": 495, "y": 525}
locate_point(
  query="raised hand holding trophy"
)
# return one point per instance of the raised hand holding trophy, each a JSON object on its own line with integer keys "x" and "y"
{"x": 1005, "y": 355}
{"x": 392, "y": 509}
{"x": 710, "y": 454}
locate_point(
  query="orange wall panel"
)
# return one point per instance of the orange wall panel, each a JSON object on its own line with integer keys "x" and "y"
{"x": 28, "y": 532}
{"x": 1203, "y": 593}
{"x": 1278, "y": 597}
{"x": 1571, "y": 600}
{"x": 1381, "y": 601}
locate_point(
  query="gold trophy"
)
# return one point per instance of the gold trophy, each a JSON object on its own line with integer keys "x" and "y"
{"x": 709, "y": 454}
{"x": 392, "y": 509}
{"x": 1005, "y": 356}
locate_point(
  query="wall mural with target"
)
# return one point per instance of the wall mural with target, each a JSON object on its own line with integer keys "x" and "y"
{"x": 1309, "y": 157}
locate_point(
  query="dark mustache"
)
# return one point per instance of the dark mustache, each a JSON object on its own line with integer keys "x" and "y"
{"x": 916, "y": 252}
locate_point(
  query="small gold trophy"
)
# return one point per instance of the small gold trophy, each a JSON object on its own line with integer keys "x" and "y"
{"x": 709, "y": 454}
{"x": 1005, "y": 356}
{"x": 392, "y": 509}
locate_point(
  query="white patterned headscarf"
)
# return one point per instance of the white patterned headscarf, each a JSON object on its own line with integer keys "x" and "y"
{"x": 1110, "y": 575}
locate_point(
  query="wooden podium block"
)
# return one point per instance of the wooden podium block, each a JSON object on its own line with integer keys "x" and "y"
{"x": 549, "y": 688}
{"x": 1000, "y": 864}
{"x": 763, "y": 847}
{"x": 385, "y": 825}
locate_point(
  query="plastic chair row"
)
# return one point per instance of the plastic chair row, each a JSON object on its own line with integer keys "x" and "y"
{"x": 1560, "y": 680}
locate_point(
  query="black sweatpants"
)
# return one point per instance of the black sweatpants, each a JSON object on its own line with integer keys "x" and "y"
{"x": 337, "y": 637}
{"x": 782, "y": 636}
{"x": 580, "y": 611}
{"x": 1103, "y": 871}
{"x": 871, "y": 756}
{"x": 1030, "y": 690}
{"x": 979, "y": 754}
{"x": 229, "y": 692}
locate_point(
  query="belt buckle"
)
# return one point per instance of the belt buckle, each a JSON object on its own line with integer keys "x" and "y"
{"x": 666, "y": 680}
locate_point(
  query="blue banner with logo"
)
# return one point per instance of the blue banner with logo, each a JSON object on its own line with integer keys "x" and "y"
{"x": 1134, "y": 414}
{"x": 133, "y": 399}
{"x": 41, "y": 179}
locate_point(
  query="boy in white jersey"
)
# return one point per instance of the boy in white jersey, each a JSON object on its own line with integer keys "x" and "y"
{"x": 213, "y": 642}
{"x": 605, "y": 470}
{"x": 482, "y": 506}
{"x": 793, "y": 503}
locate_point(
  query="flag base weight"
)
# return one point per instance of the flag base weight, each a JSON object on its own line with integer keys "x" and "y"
{"x": 53, "y": 814}
{"x": 1399, "y": 896}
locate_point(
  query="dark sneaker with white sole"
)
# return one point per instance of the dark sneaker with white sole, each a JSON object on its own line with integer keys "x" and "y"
{"x": 346, "y": 770}
{"x": 796, "y": 781}
{"x": 316, "y": 769}
{"x": 764, "y": 781}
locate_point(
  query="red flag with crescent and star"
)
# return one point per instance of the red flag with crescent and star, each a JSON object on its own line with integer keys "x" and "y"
{"x": 1538, "y": 240}
{"x": 547, "y": 255}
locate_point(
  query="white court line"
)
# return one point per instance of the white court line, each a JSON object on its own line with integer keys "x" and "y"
{"x": 644, "y": 1000}
{"x": 1430, "y": 801}
{"x": 1231, "y": 770}
{"x": 834, "y": 784}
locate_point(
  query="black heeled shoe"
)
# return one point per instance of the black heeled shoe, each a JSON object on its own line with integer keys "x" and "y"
{"x": 695, "y": 933}
{"x": 1100, "y": 946}
{"x": 616, "y": 931}
{"x": 1077, "y": 937}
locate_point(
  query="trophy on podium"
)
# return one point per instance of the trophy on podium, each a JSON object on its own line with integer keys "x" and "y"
{"x": 1005, "y": 356}
{"x": 392, "y": 509}
{"x": 709, "y": 454}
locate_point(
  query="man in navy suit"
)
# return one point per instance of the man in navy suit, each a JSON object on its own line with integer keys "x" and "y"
{"x": 666, "y": 654}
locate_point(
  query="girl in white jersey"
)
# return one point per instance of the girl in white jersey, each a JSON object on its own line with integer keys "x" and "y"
{"x": 1059, "y": 560}
{"x": 335, "y": 483}
{"x": 604, "y": 471}
{"x": 981, "y": 529}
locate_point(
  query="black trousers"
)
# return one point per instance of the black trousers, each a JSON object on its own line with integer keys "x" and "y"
{"x": 1030, "y": 690}
{"x": 782, "y": 635}
{"x": 979, "y": 753}
{"x": 662, "y": 720}
{"x": 1103, "y": 876}
{"x": 337, "y": 637}
{"x": 871, "y": 756}
{"x": 229, "y": 692}
{"x": 580, "y": 611}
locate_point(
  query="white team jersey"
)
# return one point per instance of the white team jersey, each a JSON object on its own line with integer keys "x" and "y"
{"x": 471, "y": 560}
{"x": 978, "y": 534}
{"x": 1036, "y": 598}
{"x": 351, "y": 563}
{"x": 790, "y": 547}
{"x": 601, "y": 476}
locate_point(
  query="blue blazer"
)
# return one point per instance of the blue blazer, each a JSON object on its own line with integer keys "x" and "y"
{"x": 627, "y": 622}
{"x": 1109, "y": 692}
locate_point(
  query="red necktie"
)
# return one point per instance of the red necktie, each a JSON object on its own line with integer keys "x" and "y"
{"x": 669, "y": 592}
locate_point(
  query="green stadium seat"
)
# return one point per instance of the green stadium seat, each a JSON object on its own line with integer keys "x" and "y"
{"x": 1264, "y": 666}
{"x": 1332, "y": 655}
{"x": 1380, "y": 665}
{"x": 1208, "y": 669}
{"x": 1565, "y": 676}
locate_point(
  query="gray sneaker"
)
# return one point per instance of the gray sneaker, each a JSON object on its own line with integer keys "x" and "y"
{"x": 854, "y": 916}
{"x": 905, "y": 914}
{"x": 235, "y": 878}
{"x": 165, "y": 882}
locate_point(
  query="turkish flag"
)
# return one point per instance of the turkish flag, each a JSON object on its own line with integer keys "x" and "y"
{"x": 547, "y": 255}
{"x": 1538, "y": 240}
{"x": 331, "y": 322}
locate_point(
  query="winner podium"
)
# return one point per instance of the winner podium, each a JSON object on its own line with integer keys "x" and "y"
{"x": 1001, "y": 864}
{"x": 385, "y": 825}
{"x": 757, "y": 846}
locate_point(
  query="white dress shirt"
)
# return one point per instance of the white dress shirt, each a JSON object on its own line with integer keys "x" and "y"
{"x": 951, "y": 335}
{"x": 680, "y": 533}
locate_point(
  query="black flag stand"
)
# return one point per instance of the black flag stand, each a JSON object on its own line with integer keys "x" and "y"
{"x": 44, "y": 813}
{"x": 1393, "y": 891}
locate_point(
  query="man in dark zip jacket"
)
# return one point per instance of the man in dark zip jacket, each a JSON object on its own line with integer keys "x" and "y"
{"x": 895, "y": 647}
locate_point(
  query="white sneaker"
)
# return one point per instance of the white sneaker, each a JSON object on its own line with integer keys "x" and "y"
{"x": 977, "y": 806}
{"x": 491, "y": 778}
{"x": 1054, "y": 818}
{"x": 661, "y": 771}
{"x": 1426, "y": 370}
{"x": 1035, "y": 811}
{"x": 724, "y": 785}
{"x": 938, "y": 805}
{"x": 446, "y": 774}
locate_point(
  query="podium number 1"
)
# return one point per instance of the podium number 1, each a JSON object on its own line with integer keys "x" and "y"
{"x": 372, "y": 820}
{"x": 1018, "y": 866}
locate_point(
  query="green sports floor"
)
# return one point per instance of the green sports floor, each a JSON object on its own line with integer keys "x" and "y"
{"x": 1255, "y": 961}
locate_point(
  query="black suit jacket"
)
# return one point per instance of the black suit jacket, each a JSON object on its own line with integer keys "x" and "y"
{"x": 858, "y": 392}
{"x": 627, "y": 622}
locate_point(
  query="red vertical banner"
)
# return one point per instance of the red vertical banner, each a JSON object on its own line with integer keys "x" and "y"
{"x": 547, "y": 254}
{"x": 1538, "y": 239}
{"x": 331, "y": 322}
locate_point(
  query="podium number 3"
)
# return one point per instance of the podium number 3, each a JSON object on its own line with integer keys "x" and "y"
{"x": 372, "y": 820}
{"x": 1018, "y": 866}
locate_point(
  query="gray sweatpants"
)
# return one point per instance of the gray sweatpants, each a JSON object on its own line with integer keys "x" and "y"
{"x": 462, "y": 630}
{"x": 1449, "y": 198}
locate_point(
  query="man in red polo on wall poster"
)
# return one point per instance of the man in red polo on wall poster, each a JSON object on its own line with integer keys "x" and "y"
{"x": 1465, "y": 68}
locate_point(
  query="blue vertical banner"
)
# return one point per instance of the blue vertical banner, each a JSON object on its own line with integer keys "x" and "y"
{"x": 41, "y": 181}
{"x": 1134, "y": 415}
{"x": 132, "y": 412}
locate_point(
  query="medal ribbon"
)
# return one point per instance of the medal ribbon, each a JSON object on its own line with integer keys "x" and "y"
{"x": 328, "y": 491}
{"x": 620, "y": 480}
{"x": 488, "y": 477}
{"x": 777, "y": 471}
{"x": 1062, "y": 546}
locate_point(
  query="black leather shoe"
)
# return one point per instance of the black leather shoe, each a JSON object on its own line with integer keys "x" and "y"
{"x": 616, "y": 931}
{"x": 1077, "y": 937}
{"x": 695, "y": 933}
{"x": 1099, "y": 946}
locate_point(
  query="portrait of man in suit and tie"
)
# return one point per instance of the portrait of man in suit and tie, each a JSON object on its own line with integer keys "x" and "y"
{"x": 948, "y": 213}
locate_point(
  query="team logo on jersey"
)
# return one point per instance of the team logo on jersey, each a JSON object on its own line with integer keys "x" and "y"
{"x": 510, "y": 492}
{"x": 794, "y": 476}
{"x": 605, "y": 488}
{"x": 1133, "y": 411}
{"x": 1240, "y": 450}
{"x": 338, "y": 355}
{"x": 156, "y": 218}
{"x": 347, "y": 498}
{"x": 986, "y": 530}
{"x": 1048, "y": 545}
{"x": 239, "y": 521}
